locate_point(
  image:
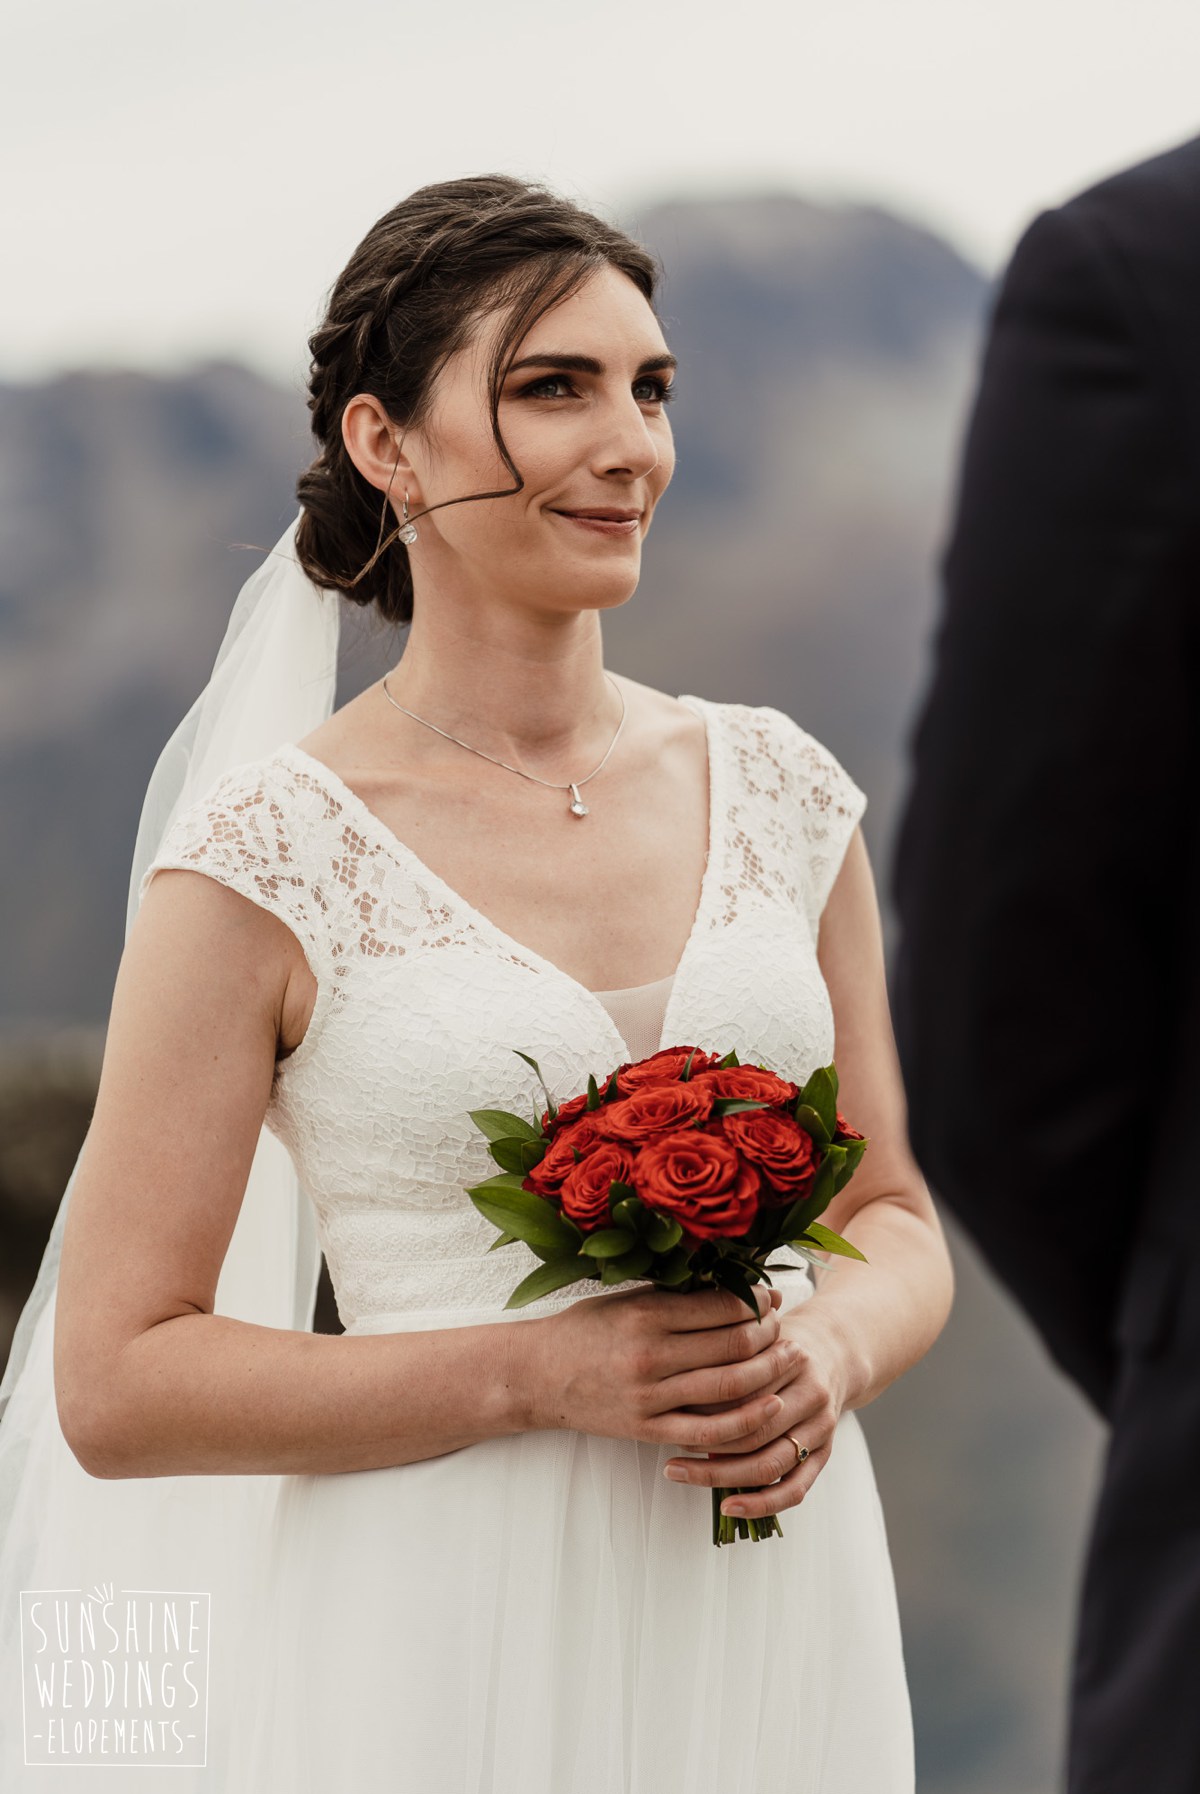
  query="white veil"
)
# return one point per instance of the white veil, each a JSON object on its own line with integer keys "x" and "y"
{"x": 61, "y": 1529}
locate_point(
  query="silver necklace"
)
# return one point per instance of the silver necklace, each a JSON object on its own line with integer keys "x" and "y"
{"x": 578, "y": 807}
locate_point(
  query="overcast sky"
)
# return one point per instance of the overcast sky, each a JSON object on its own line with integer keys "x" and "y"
{"x": 179, "y": 182}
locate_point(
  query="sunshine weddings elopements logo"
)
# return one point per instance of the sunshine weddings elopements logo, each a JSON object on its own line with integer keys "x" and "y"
{"x": 115, "y": 1676}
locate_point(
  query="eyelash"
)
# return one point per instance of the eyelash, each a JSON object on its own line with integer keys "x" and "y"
{"x": 664, "y": 395}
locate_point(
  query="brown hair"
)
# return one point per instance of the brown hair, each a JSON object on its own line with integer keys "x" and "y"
{"x": 405, "y": 302}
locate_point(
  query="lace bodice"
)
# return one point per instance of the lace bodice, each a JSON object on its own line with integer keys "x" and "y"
{"x": 421, "y": 999}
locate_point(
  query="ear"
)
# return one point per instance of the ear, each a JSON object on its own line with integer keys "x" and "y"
{"x": 373, "y": 442}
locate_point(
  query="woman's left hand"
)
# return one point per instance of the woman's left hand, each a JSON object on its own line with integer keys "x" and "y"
{"x": 813, "y": 1394}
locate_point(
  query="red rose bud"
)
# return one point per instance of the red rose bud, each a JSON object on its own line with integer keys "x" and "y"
{"x": 697, "y": 1177}
{"x": 659, "y": 1109}
{"x": 750, "y": 1085}
{"x": 585, "y": 1187}
{"x": 843, "y": 1130}
{"x": 781, "y": 1149}
{"x": 664, "y": 1067}
{"x": 559, "y": 1157}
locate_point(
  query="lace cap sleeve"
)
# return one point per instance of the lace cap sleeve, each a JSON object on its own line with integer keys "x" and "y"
{"x": 828, "y": 805}
{"x": 250, "y": 831}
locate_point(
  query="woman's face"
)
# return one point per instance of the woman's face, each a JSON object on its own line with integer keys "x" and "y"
{"x": 592, "y": 437}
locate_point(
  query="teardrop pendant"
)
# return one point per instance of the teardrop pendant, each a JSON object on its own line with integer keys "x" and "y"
{"x": 578, "y": 807}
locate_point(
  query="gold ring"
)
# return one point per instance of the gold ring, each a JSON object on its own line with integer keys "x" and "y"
{"x": 801, "y": 1450}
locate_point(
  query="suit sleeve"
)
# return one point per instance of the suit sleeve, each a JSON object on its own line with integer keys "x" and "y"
{"x": 1035, "y": 882}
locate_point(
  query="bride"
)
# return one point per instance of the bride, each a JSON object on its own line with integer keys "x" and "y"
{"x": 485, "y": 1559}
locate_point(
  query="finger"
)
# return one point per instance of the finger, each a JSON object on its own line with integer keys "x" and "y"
{"x": 729, "y": 1383}
{"x": 715, "y": 1308}
{"x": 811, "y": 1416}
{"x": 753, "y": 1424}
{"x": 756, "y": 1477}
{"x": 755, "y": 1503}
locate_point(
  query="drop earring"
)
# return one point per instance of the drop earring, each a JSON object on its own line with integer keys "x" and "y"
{"x": 408, "y": 532}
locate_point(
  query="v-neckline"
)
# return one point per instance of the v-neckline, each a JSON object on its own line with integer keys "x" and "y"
{"x": 403, "y": 855}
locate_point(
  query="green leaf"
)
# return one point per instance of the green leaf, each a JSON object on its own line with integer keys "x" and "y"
{"x": 733, "y": 1276}
{"x": 504, "y": 1239}
{"x": 834, "y": 1156}
{"x": 498, "y": 1124}
{"x": 826, "y": 1240}
{"x": 490, "y": 1186}
{"x": 515, "y": 1154}
{"x": 730, "y": 1105}
{"x": 631, "y": 1264}
{"x": 810, "y": 1121}
{"x": 821, "y": 1194}
{"x": 730, "y": 1058}
{"x": 593, "y": 1093}
{"x": 662, "y": 1232}
{"x": 610, "y": 1093}
{"x": 608, "y": 1242}
{"x": 793, "y": 1221}
{"x": 674, "y": 1269}
{"x": 628, "y": 1211}
{"x": 853, "y": 1150}
{"x": 556, "y": 1273}
{"x": 551, "y": 1105}
{"x": 531, "y": 1217}
{"x": 820, "y": 1093}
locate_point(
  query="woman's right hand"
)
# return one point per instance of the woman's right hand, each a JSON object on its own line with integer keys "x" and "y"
{"x": 630, "y": 1363}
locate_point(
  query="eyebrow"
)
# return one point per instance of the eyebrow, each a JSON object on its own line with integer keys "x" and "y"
{"x": 587, "y": 364}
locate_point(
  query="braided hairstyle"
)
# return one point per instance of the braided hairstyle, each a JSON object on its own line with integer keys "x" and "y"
{"x": 407, "y": 300}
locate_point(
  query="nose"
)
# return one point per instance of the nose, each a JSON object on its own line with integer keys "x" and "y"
{"x": 626, "y": 445}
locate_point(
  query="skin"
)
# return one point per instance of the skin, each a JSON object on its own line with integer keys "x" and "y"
{"x": 506, "y": 651}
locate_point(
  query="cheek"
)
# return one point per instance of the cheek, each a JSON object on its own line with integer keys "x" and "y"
{"x": 666, "y": 457}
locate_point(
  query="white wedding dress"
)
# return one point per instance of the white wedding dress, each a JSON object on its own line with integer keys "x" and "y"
{"x": 543, "y": 1613}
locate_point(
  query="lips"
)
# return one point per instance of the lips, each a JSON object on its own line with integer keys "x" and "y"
{"x": 612, "y": 524}
{"x": 603, "y": 516}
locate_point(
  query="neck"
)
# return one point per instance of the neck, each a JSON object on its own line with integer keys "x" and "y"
{"x": 530, "y": 695}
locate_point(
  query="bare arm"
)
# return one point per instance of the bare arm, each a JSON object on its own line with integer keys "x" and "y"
{"x": 150, "y": 1382}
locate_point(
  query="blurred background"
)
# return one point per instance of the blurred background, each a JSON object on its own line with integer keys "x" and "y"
{"x": 833, "y": 193}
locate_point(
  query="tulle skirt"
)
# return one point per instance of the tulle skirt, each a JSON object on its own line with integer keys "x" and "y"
{"x": 545, "y": 1613}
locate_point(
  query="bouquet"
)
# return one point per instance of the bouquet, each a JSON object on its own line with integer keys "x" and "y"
{"x": 684, "y": 1170}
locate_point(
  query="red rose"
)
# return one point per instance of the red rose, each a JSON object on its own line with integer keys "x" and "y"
{"x": 566, "y": 1113}
{"x": 664, "y": 1067}
{"x": 697, "y": 1177}
{"x": 658, "y": 1109}
{"x": 781, "y": 1149}
{"x": 750, "y": 1084}
{"x": 585, "y": 1188}
{"x": 559, "y": 1157}
{"x": 843, "y": 1130}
